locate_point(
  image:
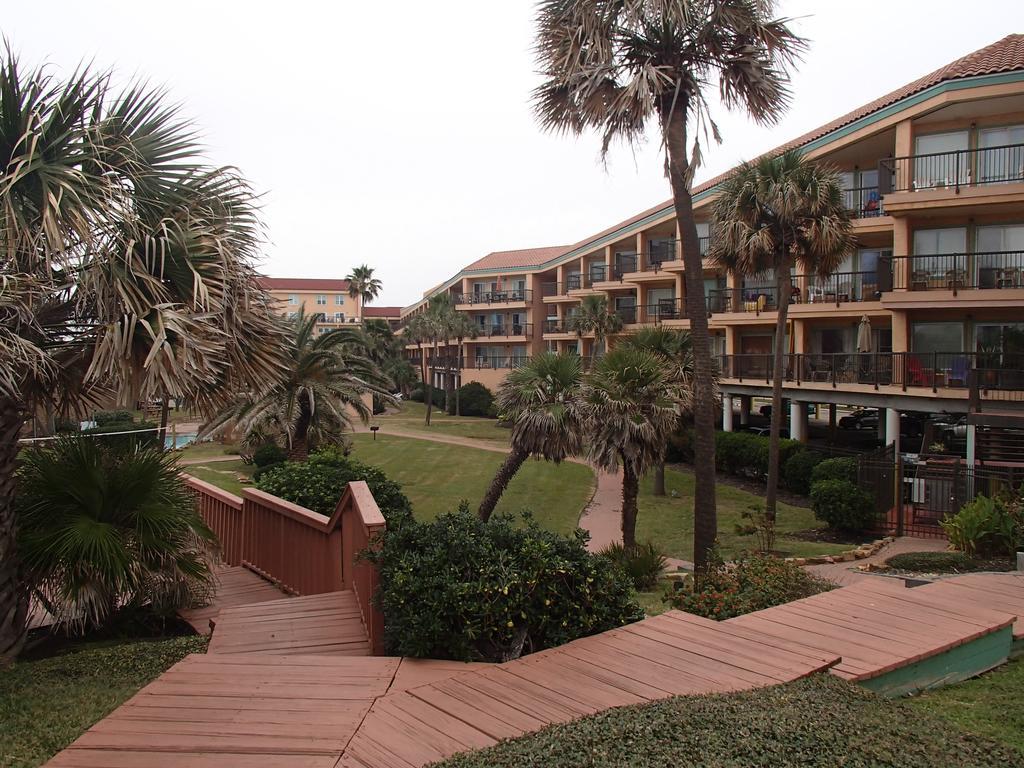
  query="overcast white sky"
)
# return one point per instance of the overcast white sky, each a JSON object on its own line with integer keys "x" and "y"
{"x": 400, "y": 134}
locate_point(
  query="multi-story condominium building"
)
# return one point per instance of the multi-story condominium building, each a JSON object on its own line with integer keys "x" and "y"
{"x": 392, "y": 315}
{"x": 934, "y": 173}
{"x": 328, "y": 298}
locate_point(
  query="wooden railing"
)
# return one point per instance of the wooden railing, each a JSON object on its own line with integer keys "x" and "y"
{"x": 302, "y": 551}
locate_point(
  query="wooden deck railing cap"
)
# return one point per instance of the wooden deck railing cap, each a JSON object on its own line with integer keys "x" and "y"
{"x": 288, "y": 509}
{"x": 361, "y": 496}
{"x": 212, "y": 490}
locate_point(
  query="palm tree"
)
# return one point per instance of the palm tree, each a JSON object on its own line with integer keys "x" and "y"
{"x": 772, "y": 214}
{"x": 541, "y": 400}
{"x": 419, "y": 331}
{"x": 310, "y": 401}
{"x": 632, "y": 410}
{"x": 363, "y": 285}
{"x": 462, "y": 328}
{"x": 128, "y": 269}
{"x": 594, "y": 317}
{"x": 109, "y": 526}
{"x": 616, "y": 68}
{"x": 676, "y": 352}
{"x": 440, "y": 316}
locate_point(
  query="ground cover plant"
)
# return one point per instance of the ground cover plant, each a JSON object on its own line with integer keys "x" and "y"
{"x": 946, "y": 562}
{"x": 460, "y": 588}
{"x": 47, "y": 703}
{"x": 988, "y": 526}
{"x": 818, "y": 722}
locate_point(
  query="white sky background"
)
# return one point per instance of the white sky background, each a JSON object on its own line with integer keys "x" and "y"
{"x": 400, "y": 134}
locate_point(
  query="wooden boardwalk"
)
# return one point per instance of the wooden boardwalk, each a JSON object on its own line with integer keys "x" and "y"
{"x": 278, "y": 690}
{"x": 316, "y": 624}
{"x": 880, "y": 626}
{"x": 235, "y": 586}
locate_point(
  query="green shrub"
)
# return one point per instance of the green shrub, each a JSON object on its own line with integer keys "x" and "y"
{"x": 988, "y": 526}
{"x": 459, "y": 588}
{"x": 419, "y": 395}
{"x": 106, "y": 418}
{"x": 796, "y": 471}
{"x": 66, "y": 426}
{"x": 110, "y": 528}
{"x": 643, "y": 564}
{"x": 843, "y": 505}
{"x": 746, "y": 454}
{"x": 752, "y": 583}
{"x": 269, "y": 453}
{"x": 835, "y": 469}
{"x": 680, "y": 446}
{"x": 261, "y": 471}
{"x": 319, "y": 483}
{"x": 931, "y": 562}
{"x": 474, "y": 400}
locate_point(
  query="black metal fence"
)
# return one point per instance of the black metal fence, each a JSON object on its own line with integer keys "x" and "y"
{"x": 952, "y": 170}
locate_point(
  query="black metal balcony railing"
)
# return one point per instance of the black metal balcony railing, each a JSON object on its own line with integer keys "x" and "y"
{"x": 663, "y": 309}
{"x": 865, "y": 202}
{"x": 952, "y": 170}
{"x": 704, "y": 243}
{"x": 996, "y": 375}
{"x": 505, "y": 329}
{"x": 842, "y": 287}
{"x": 495, "y": 297}
{"x": 628, "y": 315}
{"x": 558, "y": 326}
{"x": 481, "y": 362}
{"x": 624, "y": 264}
{"x": 750, "y": 298}
{"x": 957, "y": 271}
{"x": 660, "y": 253}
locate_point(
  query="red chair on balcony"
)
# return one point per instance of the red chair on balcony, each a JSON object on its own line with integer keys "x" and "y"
{"x": 915, "y": 372}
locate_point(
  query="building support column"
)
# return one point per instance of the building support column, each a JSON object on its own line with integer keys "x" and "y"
{"x": 745, "y": 405}
{"x": 892, "y": 427}
{"x": 727, "y": 413}
{"x": 798, "y": 420}
{"x": 832, "y": 408}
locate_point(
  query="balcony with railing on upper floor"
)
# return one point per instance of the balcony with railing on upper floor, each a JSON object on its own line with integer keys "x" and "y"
{"x": 864, "y": 202}
{"x": 486, "y": 298}
{"x": 556, "y": 325}
{"x": 504, "y": 330}
{"x": 964, "y": 174}
{"x": 989, "y": 270}
{"x": 994, "y": 376}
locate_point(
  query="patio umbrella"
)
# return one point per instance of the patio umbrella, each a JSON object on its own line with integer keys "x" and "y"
{"x": 864, "y": 335}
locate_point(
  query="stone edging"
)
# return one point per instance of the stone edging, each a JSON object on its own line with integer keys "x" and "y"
{"x": 858, "y": 553}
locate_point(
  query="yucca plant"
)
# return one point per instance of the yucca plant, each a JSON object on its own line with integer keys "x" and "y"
{"x": 107, "y": 527}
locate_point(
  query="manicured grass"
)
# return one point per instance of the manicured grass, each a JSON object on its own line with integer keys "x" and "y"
{"x": 223, "y": 474}
{"x": 411, "y": 416}
{"x": 989, "y": 705}
{"x": 818, "y": 722}
{"x": 48, "y": 703}
{"x": 206, "y": 451}
{"x": 436, "y": 476}
{"x": 668, "y": 521}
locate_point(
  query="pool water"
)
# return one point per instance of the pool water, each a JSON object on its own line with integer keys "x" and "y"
{"x": 179, "y": 441}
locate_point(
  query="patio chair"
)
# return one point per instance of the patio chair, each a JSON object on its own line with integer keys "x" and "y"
{"x": 915, "y": 372}
{"x": 1008, "y": 278}
{"x": 919, "y": 281}
{"x": 955, "y": 279}
{"x": 958, "y": 372}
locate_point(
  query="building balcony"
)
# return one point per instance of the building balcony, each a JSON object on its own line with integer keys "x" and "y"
{"x": 864, "y": 202}
{"x": 993, "y": 376}
{"x": 505, "y": 330}
{"x": 992, "y": 270}
{"x": 952, "y": 170}
{"x": 522, "y": 296}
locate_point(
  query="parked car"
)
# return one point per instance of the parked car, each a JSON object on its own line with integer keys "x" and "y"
{"x": 766, "y": 432}
{"x": 859, "y": 419}
{"x": 766, "y": 410}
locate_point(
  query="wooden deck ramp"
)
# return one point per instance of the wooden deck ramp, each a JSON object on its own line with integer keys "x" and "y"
{"x": 234, "y": 586}
{"x": 1001, "y": 592}
{"x": 893, "y": 639}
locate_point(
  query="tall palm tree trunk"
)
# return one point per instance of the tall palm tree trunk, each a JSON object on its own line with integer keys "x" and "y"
{"x": 458, "y": 381}
{"x": 705, "y": 517}
{"x": 630, "y": 491}
{"x": 513, "y": 461}
{"x": 299, "y": 450}
{"x": 13, "y": 597}
{"x": 659, "y": 479}
{"x": 782, "y": 288}
{"x": 430, "y": 384}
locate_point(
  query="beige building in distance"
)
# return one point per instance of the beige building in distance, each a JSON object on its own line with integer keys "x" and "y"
{"x": 326, "y": 297}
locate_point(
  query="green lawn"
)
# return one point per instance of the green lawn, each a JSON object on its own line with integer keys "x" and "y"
{"x": 668, "y": 521}
{"x": 223, "y": 474}
{"x": 206, "y": 450}
{"x": 818, "y": 722}
{"x": 436, "y": 476}
{"x": 989, "y": 705}
{"x": 48, "y": 703}
{"x": 410, "y": 419}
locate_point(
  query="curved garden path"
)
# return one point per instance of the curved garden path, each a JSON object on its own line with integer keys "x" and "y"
{"x": 600, "y": 517}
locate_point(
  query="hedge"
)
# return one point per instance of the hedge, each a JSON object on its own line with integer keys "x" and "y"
{"x": 797, "y": 471}
{"x": 474, "y": 399}
{"x": 419, "y": 395}
{"x": 835, "y": 469}
{"x": 746, "y": 454}
{"x": 843, "y": 505}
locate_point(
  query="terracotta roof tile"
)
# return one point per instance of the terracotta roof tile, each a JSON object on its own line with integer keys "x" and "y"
{"x": 525, "y": 257}
{"x": 302, "y": 284}
{"x": 382, "y": 311}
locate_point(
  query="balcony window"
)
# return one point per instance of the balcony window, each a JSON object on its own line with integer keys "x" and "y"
{"x": 321, "y": 299}
{"x": 1001, "y": 154}
{"x": 293, "y": 299}
{"x": 999, "y": 256}
{"x": 928, "y": 338}
{"x": 999, "y": 337}
{"x": 941, "y": 160}
{"x": 339, "y": 317}
{"x": 932, "y": 266}
{"x": 339, "y": 299}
